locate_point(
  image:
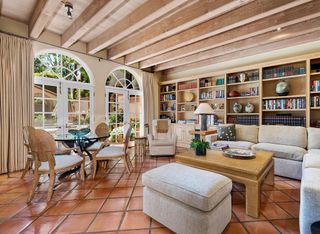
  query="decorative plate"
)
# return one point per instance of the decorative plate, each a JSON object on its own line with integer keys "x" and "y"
{"x": 239, "y": 153}
{"x": 219, "y": 146}
{"x": 188, "y": 96}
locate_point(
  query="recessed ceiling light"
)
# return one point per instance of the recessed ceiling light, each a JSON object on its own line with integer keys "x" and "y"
{"x": 279, "y": 29}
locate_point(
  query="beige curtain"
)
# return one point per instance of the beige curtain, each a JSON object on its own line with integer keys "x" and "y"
{"x": 151, "y": 98}
{"x": 16, "y": 84}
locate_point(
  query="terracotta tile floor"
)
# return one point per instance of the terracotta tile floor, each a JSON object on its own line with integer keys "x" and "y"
{"x": 112, "y": 203}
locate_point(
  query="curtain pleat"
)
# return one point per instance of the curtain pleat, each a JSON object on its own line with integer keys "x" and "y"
{"x": 151, "y": 98}
{"x": 16, "y": 104}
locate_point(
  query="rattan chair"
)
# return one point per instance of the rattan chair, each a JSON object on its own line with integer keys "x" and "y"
{"x": 113, "y": 153}
{"x": 60, "y": 149}
{"x": 43, "y": 149}
{"x": 102, "y": 129}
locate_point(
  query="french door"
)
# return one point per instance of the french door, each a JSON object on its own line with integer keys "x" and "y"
{"x": 123, "y": 107}
{"x": 61, "y": 105}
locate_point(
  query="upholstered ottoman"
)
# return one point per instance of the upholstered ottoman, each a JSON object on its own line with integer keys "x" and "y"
{"x": 187, "y": 200}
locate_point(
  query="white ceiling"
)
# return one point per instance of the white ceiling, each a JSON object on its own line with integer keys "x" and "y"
{"x": 19, "y": 10}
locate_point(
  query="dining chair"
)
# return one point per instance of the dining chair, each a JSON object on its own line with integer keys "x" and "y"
{"x": 29, "y": 159}
{"x": 113, "y": 152}
{"x": 60, "y": 149}
{"x": 101, "y": 130}
{"x": 43, "y": 149}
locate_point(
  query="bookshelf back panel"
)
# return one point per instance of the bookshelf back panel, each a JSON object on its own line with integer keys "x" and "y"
{"x": 297, "y": 87}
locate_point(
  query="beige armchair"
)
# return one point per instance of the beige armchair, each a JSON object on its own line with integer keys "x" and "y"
{"x": 162, "y": 141}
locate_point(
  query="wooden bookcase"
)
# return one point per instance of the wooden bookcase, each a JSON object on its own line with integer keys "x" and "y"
{"x": 168, "y": 102}
{"x": 315, "y": 92}
{"x": 212, "y": 91}
{"x": 248, "y": 92}
{"x": 300, "y": 107}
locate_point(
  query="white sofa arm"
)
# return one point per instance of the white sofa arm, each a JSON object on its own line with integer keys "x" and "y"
{"x": 310, "y": 199}
{"x": 212, "y": 138}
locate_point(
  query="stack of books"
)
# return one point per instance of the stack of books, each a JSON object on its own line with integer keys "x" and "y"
{"x": 283, "y": 71}
{"x": 315, "y": 85}
{"x": 284, "y": 104}
{"x": 244, "y": 120}
{"x": 212, "y": 94}
{"x": 285, "y": 119}
{"x": 315, "y": 101}
{"x": 168, "y": 97}
{"x": 190, "y": 85}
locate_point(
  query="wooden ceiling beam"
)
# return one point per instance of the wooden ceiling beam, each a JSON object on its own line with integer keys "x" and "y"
{"x": 195, "y": 13}
{"x": 292, "y": 16}
{"x": 89, "y": 18}
{"x": 281, "y": 44}
{"x": 246, "y": 14}
{"x": 142, "y": 16}
{"x": 42, "y": 14}
{"x": 287, "y": 32}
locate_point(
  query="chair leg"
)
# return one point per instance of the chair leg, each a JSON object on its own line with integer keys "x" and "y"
{"x": 82, "y": 171}
{"x": 127, "y": 164}
{"x": 35, "y": 182}
{"x": 26, "y": 167}
{"x": 94, "y": 168}
{"x": 51, "y": 185}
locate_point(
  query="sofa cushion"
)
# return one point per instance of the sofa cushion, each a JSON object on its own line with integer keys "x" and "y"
{"x": 283, "y": 135}
{"x": 201, "y": 189}
{"x": 247, "y": 133}
{"x": 162, "y": 142}
{"x": 314, "y": 138}
{"x": 311, "y": 161}
{"x": 314, "y": 151}
{"x": 236, "y": 144}
{"x": 282, "y": 151}
{"x": 226, "y": 132}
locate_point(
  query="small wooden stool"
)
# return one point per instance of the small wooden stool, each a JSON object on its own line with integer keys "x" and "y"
{"x": 140, "y": 146}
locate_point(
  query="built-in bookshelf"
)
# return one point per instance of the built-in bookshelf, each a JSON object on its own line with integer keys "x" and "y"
{"x": 315, "y": 92}
{"x": 243, "y": 89}
{"x": 212, "y": 91}
{"x": 289, "y": 108}
{"x": 168, "y": 97}
{"x": 300, "y": 106}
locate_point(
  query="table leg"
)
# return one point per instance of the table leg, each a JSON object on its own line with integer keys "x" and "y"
{"x": 253, "y": 199}
{"x": 269, "y": 180}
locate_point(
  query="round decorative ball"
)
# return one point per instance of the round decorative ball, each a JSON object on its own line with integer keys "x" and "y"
{"x": 237, "y": 107}
{"x": 282, "y": 88}
{"x": 249, "y": 108}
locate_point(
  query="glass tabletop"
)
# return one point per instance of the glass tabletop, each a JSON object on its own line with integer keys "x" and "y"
{"x": 70, "y": 137}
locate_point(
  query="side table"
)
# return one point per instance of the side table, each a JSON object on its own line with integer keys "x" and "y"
{"x": 140, "y": 146}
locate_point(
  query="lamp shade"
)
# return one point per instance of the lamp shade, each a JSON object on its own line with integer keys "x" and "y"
{"x": 204, "y": 108}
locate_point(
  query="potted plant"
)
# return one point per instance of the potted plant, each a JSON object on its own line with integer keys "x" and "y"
{"x": 200, "y": 146}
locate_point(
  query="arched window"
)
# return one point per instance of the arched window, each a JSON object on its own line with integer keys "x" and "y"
{"x": 63, "y": 92}
{"x": 123, "y": 103}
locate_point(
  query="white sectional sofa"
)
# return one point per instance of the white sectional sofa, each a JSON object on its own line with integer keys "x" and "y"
{"x": 296, "y": 155}
{"x": 289, "y": 144}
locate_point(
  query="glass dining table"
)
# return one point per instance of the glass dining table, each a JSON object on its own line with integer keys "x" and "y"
{"x": 80, "y": 142}
{"x": 83, "y": 142}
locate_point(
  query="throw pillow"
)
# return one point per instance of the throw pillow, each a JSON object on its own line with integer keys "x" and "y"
{"x": 226, "y": 132}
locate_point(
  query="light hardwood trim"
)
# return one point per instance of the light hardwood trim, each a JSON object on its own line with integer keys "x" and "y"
{"x": 197, "y": 13}
{"x": 292, "y": 16}
{"x": 287, "y": 32}
{"x": 42, "y": 14}
{"x": 89, "y": 18}
{"x": 142, "y": 16}
{"x": 310, "y": 37}
{"x": 248, "y": 13}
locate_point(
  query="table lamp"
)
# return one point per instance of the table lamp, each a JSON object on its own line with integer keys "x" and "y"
{"x": 203, "y": 110}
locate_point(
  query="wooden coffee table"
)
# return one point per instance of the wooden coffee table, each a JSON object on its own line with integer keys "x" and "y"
{"x": 250, "y": 172}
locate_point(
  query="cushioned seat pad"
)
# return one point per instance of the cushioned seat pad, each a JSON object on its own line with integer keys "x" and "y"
{"x": 194, "y": 187}
{"x": 236, "y": 144}
{"x": 62, "y": 161}
{"x": 314, "y": 151}
{"x": 282, "y": 151}
{"x": 95, "y": 146}
{"x": 311, "y": 160}
{"x": 111, "y": 151}
{"x": 161, "y": 142}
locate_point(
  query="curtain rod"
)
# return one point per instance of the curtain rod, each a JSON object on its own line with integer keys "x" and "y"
{"x": 45, "y": 43}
